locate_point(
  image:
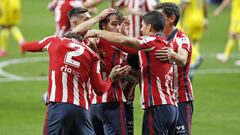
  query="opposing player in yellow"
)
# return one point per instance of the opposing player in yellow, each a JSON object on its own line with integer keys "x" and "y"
{"x": 194, "y": 22}
{"x": 234, "y": 29}
{"x": 9, "y": 19}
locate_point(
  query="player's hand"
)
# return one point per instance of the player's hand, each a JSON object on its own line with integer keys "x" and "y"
{"x": 118, "y": 71}
{"x": 105, "y": 13}
{"x": 92, "y": 33}
{"x": 124, "y": 26}
{"x": 216, "y": 12}
{"x": 165, "y": 54}
{"x": 50, "y": 6}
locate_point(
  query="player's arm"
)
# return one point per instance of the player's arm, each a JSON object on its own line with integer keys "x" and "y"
{"x": 168, "y": 54}
{"x": 92, "y": 3}
{"x": 115, "y": 38}
{"x": 221, "y": 7}
{"x": 205, "y": 13}
{"x": 101, "y": 86}
{"x": 83, "y": 27}
{"x": 37, "y": 46}
{"x": 180, "y": 56}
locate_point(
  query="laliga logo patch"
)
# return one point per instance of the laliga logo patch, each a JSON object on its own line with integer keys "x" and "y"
{"x": 182, "y": 40}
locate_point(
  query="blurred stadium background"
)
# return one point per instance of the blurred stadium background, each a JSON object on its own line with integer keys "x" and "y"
{"x": 216, "y": 85}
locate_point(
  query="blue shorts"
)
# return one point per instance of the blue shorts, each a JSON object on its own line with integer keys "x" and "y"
{"x": 108, "y": 118}
{"x": 129, "y": 118}
{"x": 184, "y": 123}
{"x": 67, "y": 119}
{"x": 160, "y": 120}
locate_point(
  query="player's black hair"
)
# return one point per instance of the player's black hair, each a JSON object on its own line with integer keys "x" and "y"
{"x": 76, "y": 11}
{"x": 169, "y": 9}
{"x": 107, "y": 19}
{"x": 156, "y": 19}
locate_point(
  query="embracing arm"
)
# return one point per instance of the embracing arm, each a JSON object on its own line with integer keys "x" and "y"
{"x": 85, "y": 26}
{"x": 115, "y": 38}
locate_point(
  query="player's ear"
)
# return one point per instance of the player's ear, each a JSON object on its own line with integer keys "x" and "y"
{"x": 149, "y": 27}
{"x": 104, "y": 26}
{"x": 172, "y": 18}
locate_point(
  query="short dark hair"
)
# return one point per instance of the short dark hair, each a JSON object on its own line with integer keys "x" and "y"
{"x": 76, "y": 11}
{"x": 156, "y": 19}
{"x": 169, "y": 9}
{"x": 107, "y": 19}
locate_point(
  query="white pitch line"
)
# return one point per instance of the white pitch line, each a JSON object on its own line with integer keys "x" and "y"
{"x": 217, "y": 71}
{"x": 13, "y": 77}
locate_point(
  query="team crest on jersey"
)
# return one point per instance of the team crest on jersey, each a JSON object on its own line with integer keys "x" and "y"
{"x": 182, "y": 40}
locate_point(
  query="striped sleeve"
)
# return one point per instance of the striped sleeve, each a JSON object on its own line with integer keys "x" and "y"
{"x": 184, "y": 43}
{"x": 99, "y": 86}
{"x": 40, "y": 46}
{"x": 144, "y": 42}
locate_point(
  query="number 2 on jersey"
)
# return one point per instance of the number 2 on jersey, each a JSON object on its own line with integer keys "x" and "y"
{"x": 69, "y": 56}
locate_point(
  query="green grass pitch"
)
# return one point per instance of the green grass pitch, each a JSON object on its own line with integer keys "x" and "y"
{"x": 217, "y": 105}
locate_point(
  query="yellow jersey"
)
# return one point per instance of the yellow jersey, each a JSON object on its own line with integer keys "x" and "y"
{"x": 10, "y": 12}
{"x": 235, "y": 17}
{"x": 194, "y": 11}
{"x": 177, "y": 2}
{"x": 235, "y": 13}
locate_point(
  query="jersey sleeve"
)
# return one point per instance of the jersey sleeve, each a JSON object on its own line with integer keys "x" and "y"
{"x": 184, "y": 43}
{"x": 76, "y": 3}
{"x": 99, "y": 86}
{"x": 38, "y": 46}
{"x": 150, "y": 5}
{"x": 144, "y": 42}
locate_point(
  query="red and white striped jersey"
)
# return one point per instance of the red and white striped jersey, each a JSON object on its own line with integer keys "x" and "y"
{"x": 112, "y": 57}
{"x": 137, "y": 6}
{"x": 156, "y": 76}
{"x": 71, "y": 65}
{"x": 61, "y": 8}
{"x": 181, "y": 83}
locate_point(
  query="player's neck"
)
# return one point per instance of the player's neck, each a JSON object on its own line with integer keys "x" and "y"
{"x": 168, "y": 31}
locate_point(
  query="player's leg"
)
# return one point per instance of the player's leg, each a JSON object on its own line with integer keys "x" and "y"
{"x": 95, "y": 114}
{"x": 129, "y": 118}
{"x": 62, "y": 117}
{"x": 17, "y": 34}
{"x": 82, "y": 124}
{"x": 160, "y": 120}
{"x": 184, "y": 123}
{"x": 195, "y": 36}
{"x": 228, "y": 49}
{"x": 55, "y": 116}
{"x": 4, "y": 37}
{"x": 237, "y": 63}
{"x": 114, "y": 119}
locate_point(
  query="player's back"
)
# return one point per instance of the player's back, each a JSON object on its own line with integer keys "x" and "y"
{"x": 10, "y": 12}
{"x": 235, "y": 9}
{"x": 70, "y": 67}
{"x": 156, "y": 76}
{"x": 194, "y": 10}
